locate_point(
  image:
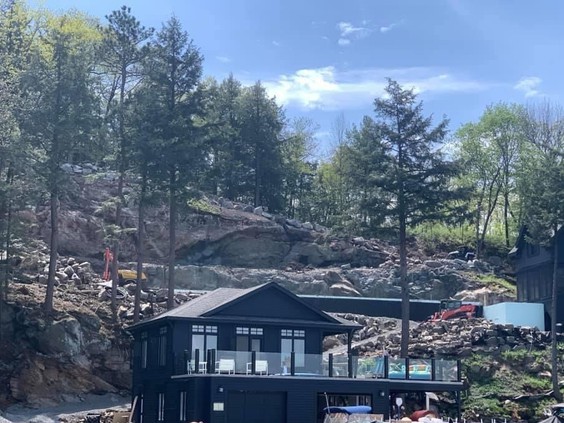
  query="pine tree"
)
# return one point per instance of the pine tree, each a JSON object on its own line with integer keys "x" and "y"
{"x": 59, "y": 83}
{"x": 262, "y": 121}
{"x": 414, "y": 174}
{"x": 174, "y": 70}
{"x": 123, "y": 49}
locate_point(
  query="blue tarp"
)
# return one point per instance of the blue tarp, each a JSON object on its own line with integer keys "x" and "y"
{"x": 353, "y": 409}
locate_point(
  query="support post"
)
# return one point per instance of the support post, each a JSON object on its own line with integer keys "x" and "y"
{"x": 253, "y": 362}
{"x": 197, "y": 361}
{"x": 292, "y": 363}
{"x": 331, "y": 365}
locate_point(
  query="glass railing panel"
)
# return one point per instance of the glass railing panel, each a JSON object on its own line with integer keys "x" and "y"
{"x": 396, "y": 368}
{"x": 420, "y": 369}
{"x": 370, "y": 367}
{"x": 446, "y": 370}
{"x": 231, "y": 362}
{"x": 341, "y": 365}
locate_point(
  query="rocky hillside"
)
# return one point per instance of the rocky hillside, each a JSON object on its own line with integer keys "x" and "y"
{"x": 506, "y": 368}
{"x": 80, "y": 350}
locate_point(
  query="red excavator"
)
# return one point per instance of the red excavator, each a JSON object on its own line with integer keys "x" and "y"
{"x": 454, "y": 309}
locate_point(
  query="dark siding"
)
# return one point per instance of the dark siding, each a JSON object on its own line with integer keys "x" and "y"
{"x": 255, "y": 407}
{"x": 271, "y": 303}
{"x": 314, "y": 341}
{"x": 181, "y": 337}
{"x": 301, "y": 394}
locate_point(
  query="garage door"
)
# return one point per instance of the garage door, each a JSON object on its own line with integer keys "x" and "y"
{"x": 256, "y": 407}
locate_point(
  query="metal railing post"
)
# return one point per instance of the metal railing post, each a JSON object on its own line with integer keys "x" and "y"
{"x": 292, "y": 363}
{"x": 197, "y": 361}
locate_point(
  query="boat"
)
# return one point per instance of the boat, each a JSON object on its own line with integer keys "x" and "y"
{"x": 351, "y": 414}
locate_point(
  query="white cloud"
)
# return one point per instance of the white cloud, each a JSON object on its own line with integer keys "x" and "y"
{"x": 529, "y": 85}
{"x": 276, "y": 43}
{"x": 388, "y": 28}
{"x": 384, "y": 29}
{"x": 348, "y": 32}
{"x": 223, "y": 59}
{"x": 328, "y": 88}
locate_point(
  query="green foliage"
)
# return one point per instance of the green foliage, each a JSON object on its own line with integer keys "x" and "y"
{"x": 202, "y": 206}
{"x": 491, "y": 279}
{"x": 497, "y": 379}
{"x": 436, "y": 236}
{"x": 489, "y": 151}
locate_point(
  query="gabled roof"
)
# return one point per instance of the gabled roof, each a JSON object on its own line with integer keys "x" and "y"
{"x": 218, "y": 302}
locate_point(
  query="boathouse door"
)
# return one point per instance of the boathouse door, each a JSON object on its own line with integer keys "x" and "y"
{"x": 256, "y": 407}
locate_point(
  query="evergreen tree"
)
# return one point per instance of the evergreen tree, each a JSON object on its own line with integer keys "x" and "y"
{"x": 174, "y": 69}
{"x": 262, "y": 121}
{"x": 64, "y": 112}
{"x": 226, "y": 171}
{"x": 414, "y": 174}
{"x": 298, "y": 146}
{"x": 362, "y": 166}
{"x": 123, "y": 49}
{"x": 17, "y": 29}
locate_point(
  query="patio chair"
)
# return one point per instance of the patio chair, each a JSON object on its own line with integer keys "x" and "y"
{"x": 201, "y": 366}
{"x": 261, "y": 367}
{"x": 225, "y": 365}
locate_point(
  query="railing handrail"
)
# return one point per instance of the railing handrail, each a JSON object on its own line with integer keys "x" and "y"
{"x": 324, "y": 365}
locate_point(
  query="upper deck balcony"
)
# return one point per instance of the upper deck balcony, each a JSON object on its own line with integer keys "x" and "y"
{"x": 260, "y": 364}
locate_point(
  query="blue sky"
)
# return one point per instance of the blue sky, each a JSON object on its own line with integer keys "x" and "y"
{"x": 323, "y": 57}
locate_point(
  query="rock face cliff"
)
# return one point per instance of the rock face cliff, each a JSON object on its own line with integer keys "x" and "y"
{"x": 81, "y": 350}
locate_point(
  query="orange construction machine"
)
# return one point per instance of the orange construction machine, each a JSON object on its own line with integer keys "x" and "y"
{"x": 454, "y": 309}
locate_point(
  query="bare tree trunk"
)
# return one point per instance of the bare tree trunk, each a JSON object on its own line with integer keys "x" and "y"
{"x": 477, "y": 229}
{"x": 115, "y": 248}
{"x": 172, "y": 240}
{"x": 506, "y": 212}
{"x": 140, "y": 240}
{"x": 553, "y": 311}
{"x": 404, "y": 289}
{"x": 8, "y": 234}
{"x": 402, "y": 217}
{"x": 53, "y": 246}
{"x": 54, "y": 190}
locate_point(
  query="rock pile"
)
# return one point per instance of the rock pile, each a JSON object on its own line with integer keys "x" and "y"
{"x": 451, "y": 338}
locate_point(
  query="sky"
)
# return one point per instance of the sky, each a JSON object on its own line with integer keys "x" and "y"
{"x": 321, "y": 58}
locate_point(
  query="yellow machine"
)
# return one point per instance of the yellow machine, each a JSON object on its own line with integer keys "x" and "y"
{"x": 130, "y": 276}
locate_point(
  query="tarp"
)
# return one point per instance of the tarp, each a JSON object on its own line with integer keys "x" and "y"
{"x": 552, "y": 419}
{"x": 352, "y": 409}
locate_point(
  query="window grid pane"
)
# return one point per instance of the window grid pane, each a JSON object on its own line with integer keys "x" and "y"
{"x": 144, "y": 344}
{"x": 161, "y": 407}
{"x": 182, "y": 406}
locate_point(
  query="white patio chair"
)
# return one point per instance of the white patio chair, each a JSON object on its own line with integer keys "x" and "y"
{"x": 261, "y": 367}
{"x": 201, "y": 366}
{"x": 225, "y": 365}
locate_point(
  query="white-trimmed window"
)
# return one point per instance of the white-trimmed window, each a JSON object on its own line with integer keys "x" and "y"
{"x": 144, "y": 349}
{"x": 292, "y": 341}
{"x": 141, "y": 408}
{"x": 204, "y": 338}
{"x": 162, "y": 346}
{"x": 246, "y": 331}
{"x": 161, "y": 407}
{"x": 182, "y": 404}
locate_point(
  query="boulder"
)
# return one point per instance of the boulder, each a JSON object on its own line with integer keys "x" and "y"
{"x": 63, "y": 337}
